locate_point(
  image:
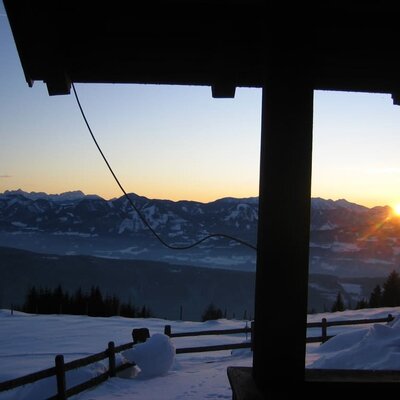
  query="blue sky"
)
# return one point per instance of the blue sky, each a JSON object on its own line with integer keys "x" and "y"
{"x": 179, "y": 143}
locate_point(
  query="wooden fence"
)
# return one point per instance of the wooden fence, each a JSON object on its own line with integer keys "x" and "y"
{"x": 231, "y": 346}
{"x": 60, "y": 369}
{"x": 140, "y": 335}
{"x": 324, "y": 324}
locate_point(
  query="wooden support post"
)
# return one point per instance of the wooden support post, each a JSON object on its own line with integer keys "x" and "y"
{"x": 283, "y": 233}
{"x": 111, "y": 359}
{"x": 140, "y": 335}
{"x": 167, "y": 330}
{"x": 252, "y": 336}
{"x": 324, "y": 330}
{"x": 60, "y": 375}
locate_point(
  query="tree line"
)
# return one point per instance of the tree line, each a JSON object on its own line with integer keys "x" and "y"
{"x": 387, "y": 295}
{"x": 92, "y": 303}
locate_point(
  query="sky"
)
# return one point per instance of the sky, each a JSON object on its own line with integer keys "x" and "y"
{"x": 191, "y": 376}
{"x": 177, "y": 142}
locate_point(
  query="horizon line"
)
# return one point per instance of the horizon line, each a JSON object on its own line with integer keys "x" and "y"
{"x": 168, "y": 199}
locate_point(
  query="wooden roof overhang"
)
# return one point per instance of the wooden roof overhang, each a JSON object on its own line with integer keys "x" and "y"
{"x": 344, "y": 45}
{"x": 288, "y": 51}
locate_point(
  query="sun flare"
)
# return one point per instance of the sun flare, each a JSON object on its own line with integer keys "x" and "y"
{"x": 396, "y": 209}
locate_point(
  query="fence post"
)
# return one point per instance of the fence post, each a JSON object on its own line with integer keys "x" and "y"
{"x": 324, "y": 328}
{"x": 60, "y": 374}
{"x": 111, "y": 359}
{"x": 252, "y": 335}
{"x": 390, "y": 318}
{"x": 140, "y": 335}
{"x": 167, "y": 330}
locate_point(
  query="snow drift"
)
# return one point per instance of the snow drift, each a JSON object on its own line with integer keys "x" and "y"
{"x": 154, "y": 357}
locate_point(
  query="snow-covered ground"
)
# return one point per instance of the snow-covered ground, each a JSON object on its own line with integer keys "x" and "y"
{"x": 29, "y": 343}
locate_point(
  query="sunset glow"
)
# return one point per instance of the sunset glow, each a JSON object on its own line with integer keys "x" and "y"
{"x": 396, "y": 209}
{"x": 178, "y": 143}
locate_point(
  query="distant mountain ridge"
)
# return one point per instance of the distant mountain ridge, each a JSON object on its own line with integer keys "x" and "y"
{"x": 345, "y": 238}
{"x": 75, "y": 195}
{"x": 91, "y": 214}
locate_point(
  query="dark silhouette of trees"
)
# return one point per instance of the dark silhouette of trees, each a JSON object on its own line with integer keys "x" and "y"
{"x": 391, "y": 290}
{"x": 58, "y": 301}
{"x": 211, "y": 312}
{"x": 387, "y": 295}
{"x": 361, "y": 304}
{"x": 375, "y": 299}
{"x": 338, "y": 305}
{"x": 96, "y": 303}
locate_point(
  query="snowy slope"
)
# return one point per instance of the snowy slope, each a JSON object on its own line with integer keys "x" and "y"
{"x": 375, "y": 346}
{"x": 29, "y": 343}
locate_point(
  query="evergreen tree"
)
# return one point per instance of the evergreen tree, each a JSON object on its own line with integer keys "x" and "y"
{"x": 391, "y": 290}
{"x": 361, "y": 304}
{"x": 375, "y": 299}
{"x": 111, "y": 306}
{"x": 211, "y": 312}
{"x": 58, "y": 300}
{"x": 53, "y": 301}
{"x": 144, "y": 312}
{"x": 338, "y": 305}
{"x": 79, "y": 303}
{"x": 45, "y": 301}
{"x": 96, "y": 303}
{"x": 31, "y": 301}
{"x": 127, "y": 310}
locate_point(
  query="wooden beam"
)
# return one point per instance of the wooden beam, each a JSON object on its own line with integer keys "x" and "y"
{"x": 242, "y": 384}
{"x": 223, "y": 90}
{"x": 283, "y": 234}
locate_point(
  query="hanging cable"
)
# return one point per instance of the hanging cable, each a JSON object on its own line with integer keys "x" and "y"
{"x": 139, "y": 213}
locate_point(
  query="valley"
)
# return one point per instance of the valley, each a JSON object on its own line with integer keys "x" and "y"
{"x": 73, "y": 235}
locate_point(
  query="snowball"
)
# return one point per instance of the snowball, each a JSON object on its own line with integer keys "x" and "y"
{"x": 154, "y": 357}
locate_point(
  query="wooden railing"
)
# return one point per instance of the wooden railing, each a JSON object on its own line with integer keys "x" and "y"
{"x": 246, "y": 330}
{"x": 61, "y": 368}
{"x": 140, "y": 335}
{"x": 324, "y": 324}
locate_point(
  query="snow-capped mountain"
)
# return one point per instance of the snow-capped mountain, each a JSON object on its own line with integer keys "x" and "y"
{"x": 76, "y": 212}
{"x": 65, "y": 197}
{"x": 73, "y": 223}
{"x": 345, "y": 238}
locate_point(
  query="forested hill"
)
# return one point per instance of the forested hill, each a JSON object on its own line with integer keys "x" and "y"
{"x": 162, "y": 287}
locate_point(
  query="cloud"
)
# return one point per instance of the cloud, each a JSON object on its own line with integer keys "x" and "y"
{"x": 5, "y": 176}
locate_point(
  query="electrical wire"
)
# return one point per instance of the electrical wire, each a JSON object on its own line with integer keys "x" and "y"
{"x": 139, "y": 213}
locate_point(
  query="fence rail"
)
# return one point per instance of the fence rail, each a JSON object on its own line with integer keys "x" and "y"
{"x": 60, "y": 369}
{"x": 218, "y": 347}
{"x": 324, "y": 324}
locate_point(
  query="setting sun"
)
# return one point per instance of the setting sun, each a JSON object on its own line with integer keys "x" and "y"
{"x": 396, "y": 209}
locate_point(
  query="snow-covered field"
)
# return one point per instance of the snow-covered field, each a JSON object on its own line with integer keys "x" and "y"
{"x": 29, "y": 343}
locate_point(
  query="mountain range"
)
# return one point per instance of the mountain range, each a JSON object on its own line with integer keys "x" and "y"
{"x": 346, "y": 239}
